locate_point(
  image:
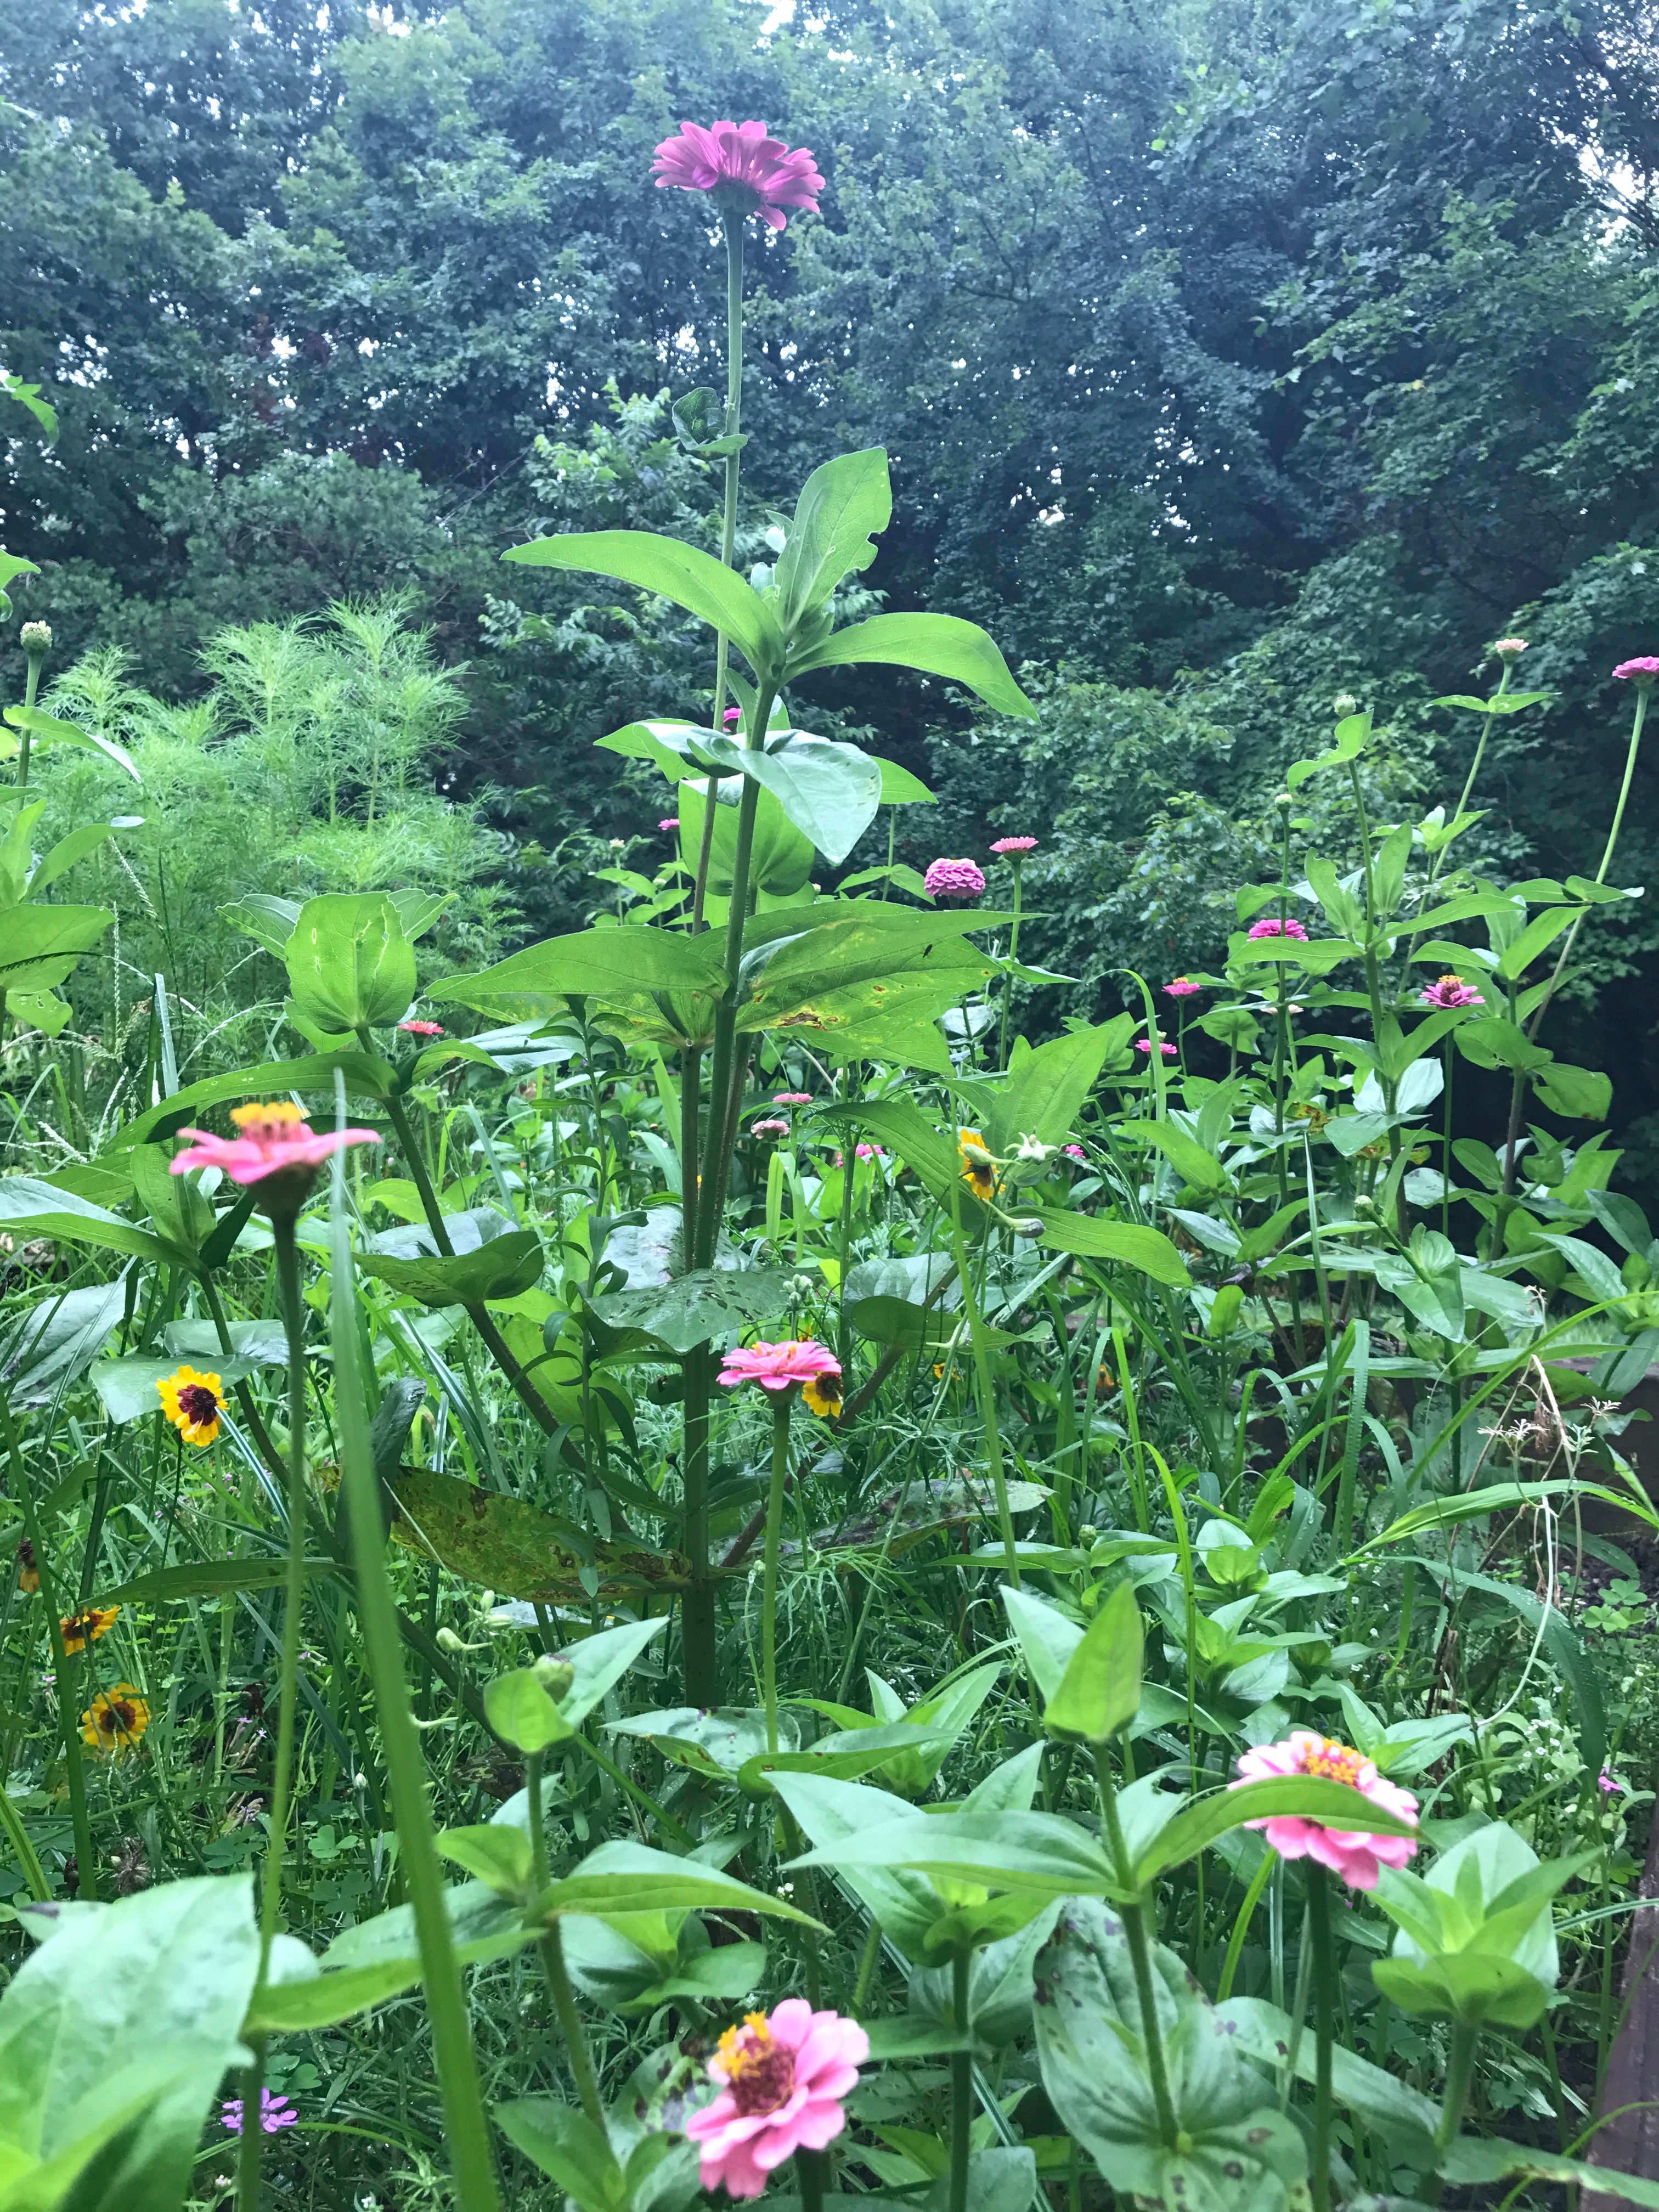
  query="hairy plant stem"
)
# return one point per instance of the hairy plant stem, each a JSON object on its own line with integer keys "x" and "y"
{"x": 465, "y": 2127}
{"x": 734, "y": 223}
{"x": 962, "y": 2080}
{"x": 770, "y": 1576}
{"x": 1013, "y": 955}
{"x": 1132, "y": 1911}
{"x": 1324, "y": 1959}
{"x": 983, "y": 1388}
{"x": 1459, "y": 2079}
{"x": 550, "y": 1946}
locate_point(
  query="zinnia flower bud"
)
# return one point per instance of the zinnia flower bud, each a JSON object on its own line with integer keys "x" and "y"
{"x": 35, "y": 638}
{"x": 1345, "y": 703}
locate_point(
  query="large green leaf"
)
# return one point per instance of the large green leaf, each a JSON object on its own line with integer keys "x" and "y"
{"x": 510, "y": 1545}
{"x": 209, "y": 1578}
{"x": 126, "y": 1388}
{"x": 168, "y": 1971}
{"x": 56, "y": 1341}
{"x": 502, "y": 1267}
{"x": 831, "y": 791}
{"x": 48, "y": 730}
{"x": 1046, "y": 1088}
{"x": 690, "y": 578}
{"x": 1132, "y": 1242}
{"x": 36, "y": 1209}
{"x": 1308, "y": 1797}
{"x": 1100, "y": 1691}
{"x": 622, "y": 963}
{"x": 621, "y": 1877}
{"x": 692, "y": 1309}
{"x": 365, "y": 1077}
{"x": 939, "y": 644}
{"x": 843, "y": 506}
{"x": 1234, "y": 2151}
{"x": 782, "y": 858}
{"x": 350, "y": 965}
{"x": 39, "y": 944}
{"x": 1036, "y": 1851}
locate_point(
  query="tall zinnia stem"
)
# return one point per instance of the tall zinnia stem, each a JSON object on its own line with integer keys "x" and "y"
{"x": 962, "y": 2077}
{"x": 1324, "y": 1973}
{"x": 284, "y": 1215}
{"x": 769, "y": 1578}
{"x": 466, "y": 2130}
{"x": 1133, "y": 1914}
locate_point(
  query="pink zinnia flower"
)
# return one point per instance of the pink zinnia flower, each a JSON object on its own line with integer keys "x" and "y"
{"x": 1609, "y": 1784}
{"x": 1182, "y": 987}
{"x": 669, "y": 822}
{"x": 1075, "y": 1152}
{"x": 771, "y": 1126}
{"x": 1144, "y": 1044}
{"x": 1451, "y": 991}
{"x": 1014, "y": 845}
{"x": 791, "y": 1097}
{"x": 422, "y": 1028}
{"x": 274, "y": 2113}
{"x": 732, "y": 716}
{"x": 952, "y": 879}
{"x": 1507, "y": 648}
{"x": 781, "y": 2083}
{"x": 1642, "y": 670}
{"x": 759, "y": 174}
{"x": 1271, "y": 928}
{"x": 1354, "y": 1853}
{"x": 776, "y": 1366}
{"x": 270, "y": 1140}
{"x": 861, "y": 1152}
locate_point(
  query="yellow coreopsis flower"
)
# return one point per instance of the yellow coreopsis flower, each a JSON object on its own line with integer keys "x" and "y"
{"x": 86, "y": 1626}
{"x": 115, "y": 1719}
{"x": 979, "y": 1167}
{"x": 193, "y": 1403}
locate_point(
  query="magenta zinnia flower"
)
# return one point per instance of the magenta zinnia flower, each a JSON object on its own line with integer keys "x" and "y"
{"x": 1182, "y": 987}
{"x": 781, "y": 2083}
{"x": 861, "y": 1152}
{"x": 1015, "y": 844}
{"x": 759, "y": 174}
{"x": 669, "y": 822}
{"x": 1144, "y": 1044}
{"x": 1451, "y": 991}
{"x": 1354, "y": 1853}
{"x": 274, "y": 2113}
{"x": 791, "y": 1097}
{"x": 952, "y": 879}
{"x": 776, "y": 1366}
{"x": 732, "y": 716}
{"x": 1075, "y": 1152}
{"x": 422, "y": 1028}
{"x": 1273, "y": 928}
{"x": 270, "y": 1140}
{"x": 1642, "y": 670}
{"x": 1609, "y": 1784}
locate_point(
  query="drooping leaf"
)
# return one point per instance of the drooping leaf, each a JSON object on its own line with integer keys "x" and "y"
{"x": 708, "y": 1303}
{"x": 604, "y": 964}
{"x": 365, "y": 1077}
{"x": 32, "y": 1208}
{"x": 686, "y": 575}
{"x": 938, "y": 645}
{"x": 40, "y": 944}
{"x": 1099, "y": 1692}
{"x": 830, "y": 791}
{"x": 502, "y": 1267}
{"x": 1131, "y": 1243}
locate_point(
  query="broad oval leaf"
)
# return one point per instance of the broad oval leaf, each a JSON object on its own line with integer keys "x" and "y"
{"x": 692, "y": 578}
{"x": 938, "y": 645}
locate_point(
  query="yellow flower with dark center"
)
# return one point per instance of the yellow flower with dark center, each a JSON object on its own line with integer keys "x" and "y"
{"x": 115, "y": 1719}
{"x": 193, "y": 1403}
{"x": 86, "y": 1626}
{"x": 822, "y": 1394}
{"x": 28, "y": 1575}
{"x": 979, "y": 1167}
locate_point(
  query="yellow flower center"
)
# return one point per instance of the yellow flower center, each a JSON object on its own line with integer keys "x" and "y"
{"x": 1339, "y": 1762}
{"x": 760, "y": 2075}
{"x": 281, "y": 1118}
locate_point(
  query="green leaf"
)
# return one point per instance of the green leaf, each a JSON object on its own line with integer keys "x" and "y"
{"x": 513, "y": 1548}
{"x": 36, "y": 1209}
{"x": 350, "y": 965}
{"x": 830, "y": 1811}
{"x": 1309, "y": 1796}
{"x": 620, "y": 1878}
{"x": 504, "y": 1265}
{"x": 1047, "y": 1639}
{"x": 1131, "y": 1243}
{"x": 569, "y": 2150}
{"x": 1047, "y": 1088}
{"x": 1099, "y": 1692}
{"x": 48, "y": 730}
{"x": 939, "y": 644}
{"x": 1579, "y": 1094}
{"x": 1194, "y": 1162}
{"x": 54, "y": 1343}
{"x": 844, "y": 505}
{"x": 1035, "y": 1851}
{"x": 209, "y": 1578}
{"x": 900, "y": 788}
{"x": 39, "y": 944}
{"x": 694, "y": 1308}
{"x": 914, "y": 1329}
{"x": 830, "y": 791}
{"x": 522, "y": 1714}
{"x": 606, "y": 964}
{"x": 365, "y": 1077}
{"x": 1234, "y": 2151}
{"x": 67, "y": 851}
{"x": 264, "y": 917}
{"x": 683, "y": 573}
{"x": 496, "y": 1852}
{"x": 126, "y": 1388}
{"x": 1351, "y": 735}
{"x": 1540, "y": 933}
{"x": 599, "y": 1662}
{"x": 12, "y": 565}
{"x": 1494, "y": 1042}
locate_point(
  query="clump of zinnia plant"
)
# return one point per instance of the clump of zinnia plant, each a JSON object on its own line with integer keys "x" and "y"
{"x": 783, "y": 2079}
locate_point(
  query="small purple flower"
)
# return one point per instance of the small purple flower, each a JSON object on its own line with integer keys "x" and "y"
{"x": 275, "y": 2113}
{"x": 1643, "y": 670}
{"x": 1273, "y": 928}
{"x": 1609, "y": 1784}
{"x": 953, "y": 879}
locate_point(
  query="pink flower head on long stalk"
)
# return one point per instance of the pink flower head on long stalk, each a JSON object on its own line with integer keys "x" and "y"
{"x": 1356, "y": 1854}
{"x": 270, "y": 1140}
{"x": 1014, "y": 847}
{"x": 791, "y": 1097}
{"x": 743, "y": 167}
{"x": 1643, "y": 670}
{"x": 782, "y": 2079}
{"x": 1451, "y": 991}
{"x": 778, "y": 1366}
{"x": 1272, "y": 928}
{"x": 953, "y": 879}
{"x": 769, "y": 1125}
{"x": 422, "y": 1028}
{"x": 1144, "y": 1044}
{"x": 669, "y": 822}
{"x": 1182, "y": 987}
{"x": 1509, "y": 648}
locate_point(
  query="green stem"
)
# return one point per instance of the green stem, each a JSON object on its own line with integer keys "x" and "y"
{"x": 465, "y": 2127}
{"x": 551, "y": 1947}
{"x": 27, "y": 1858}
{"x": 1241, "y": 1926}
{"x": 1460, "y": 2076}
{"x": 1324, "y": 1968}
{"x": 699, "y": 1648}
{"x": 1013, "y": 955}
{"x": 1133, "y": 1914}
{"x": 962, "y": 2082}
{"x": 31, "y": 686}
{"x": 770, "y": 1580}
{"x": 983, "y": 1389}
{"x": 728, "y": 526}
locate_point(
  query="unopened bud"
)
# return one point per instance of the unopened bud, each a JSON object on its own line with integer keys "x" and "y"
{"x": 1087, "y": 1532}
{"x": 1345, "y": 703}
{"x": 446, "y": 1640}
{"x": 618, "y": 845}
{"x": 36, "y": 637}
{"x": 1286, "y": 799}
{"x": 554, "y": 1675}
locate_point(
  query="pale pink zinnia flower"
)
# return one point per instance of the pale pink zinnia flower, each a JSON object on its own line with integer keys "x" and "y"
{"x": 1451, "y": 991}
{"x": 737, "y": 160}
{"x": 422, "y": 1028}
{"x": 1182, "y": 987}
{"x": 1144, "y": 1044}
{"x": 1273, "y": 928}
{"x": 1507, "y": 648}
{"x": 1014, "y": 845}
{"x": 772, "y": 1126}
{"x": 952, "y": 879}
{"x": 781, "y": 2083}
{"x": 1642, "y": 670}
{"x": 270, "y": 1140}
{"x": 1354, "y": 1853}
{"x": 791, "y": 1097}
{"x": 777, "y": 1366}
